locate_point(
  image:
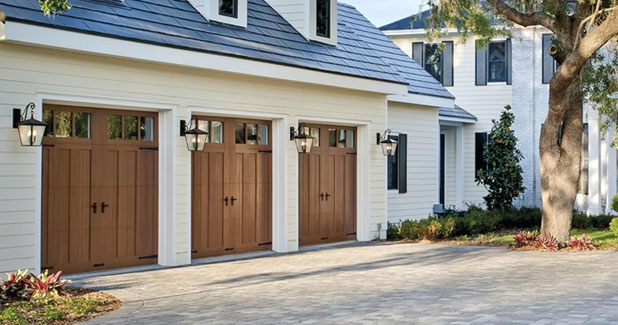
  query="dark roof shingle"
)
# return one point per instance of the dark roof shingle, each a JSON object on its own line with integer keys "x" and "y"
{"x": 362, "y": 50}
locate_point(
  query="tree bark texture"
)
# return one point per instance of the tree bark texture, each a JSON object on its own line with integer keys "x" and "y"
{"x": 561, "y": 158}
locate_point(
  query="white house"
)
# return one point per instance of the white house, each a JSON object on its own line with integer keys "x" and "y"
{"x": 118, "y": 82}
{"x": 514, "y": 71}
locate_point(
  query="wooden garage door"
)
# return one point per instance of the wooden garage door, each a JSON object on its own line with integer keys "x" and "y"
{"x": 232, "y": 186}
{"x": 100, "y": 178}
{"x": 327, "y": 184}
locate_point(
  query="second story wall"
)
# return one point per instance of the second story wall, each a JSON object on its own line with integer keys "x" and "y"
{"x": 485, "y": 102}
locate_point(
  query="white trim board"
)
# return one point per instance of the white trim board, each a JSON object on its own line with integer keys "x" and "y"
{"x": 422, "y": 100}
{"x": 93, "y": 44}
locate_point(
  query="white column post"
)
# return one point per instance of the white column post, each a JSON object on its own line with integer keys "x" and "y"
{"x": 594, "y": 164}
{"x": 459, "y": 167}
{"x": 611, "y": 169}
{"x": 281, "y": 144}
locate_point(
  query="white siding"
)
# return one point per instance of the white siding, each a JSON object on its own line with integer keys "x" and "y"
{"x": 296, "y": 12}
{"x": 484, "y": 102}
{"x": 421, "y": 125}
{"x": 27, "y": 70}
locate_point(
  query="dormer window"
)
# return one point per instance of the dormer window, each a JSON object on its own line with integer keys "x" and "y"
{"x": 322, "y": 19}
{"x": 228, "y": 8}
{"x": 231, "y": 12}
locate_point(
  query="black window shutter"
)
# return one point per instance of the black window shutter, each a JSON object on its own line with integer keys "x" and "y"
{"x": 547, "y": 60}
{"x": 481, "y": 64}
{"x": 402, "y": 164}
{"x": 509, "y": 62}
{"x": 447, "y": 64}
{"x": 479, "y": 144}
{"x": 418, "y": 48}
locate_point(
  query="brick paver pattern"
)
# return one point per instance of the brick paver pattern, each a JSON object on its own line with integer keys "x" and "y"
{"x": 376, "y": 283}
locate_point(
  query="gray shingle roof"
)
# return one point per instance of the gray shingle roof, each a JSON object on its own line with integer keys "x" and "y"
{"x": 362, "y": 50}
{"x": 456, "y": 112}
{"x": 420, "y": 81}
{"x": 408, "y": 23}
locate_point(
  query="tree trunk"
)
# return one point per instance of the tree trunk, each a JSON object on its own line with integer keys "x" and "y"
{"x": 561, "y": 158}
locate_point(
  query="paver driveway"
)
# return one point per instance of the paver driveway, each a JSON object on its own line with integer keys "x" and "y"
{"x": 376, "y": 283}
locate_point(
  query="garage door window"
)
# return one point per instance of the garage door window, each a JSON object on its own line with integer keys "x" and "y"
{"x": 65, "y": 124}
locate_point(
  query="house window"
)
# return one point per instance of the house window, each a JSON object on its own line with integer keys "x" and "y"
{"x": 228, "y": 8}
{"x": 322, "y": 20}
{"x": 497, "y": 62}
{"x": 393, "y": 168}
{"x": 433, "y": 61}
{"x": 480, "y": 140}
{"x": 583, "y": 176}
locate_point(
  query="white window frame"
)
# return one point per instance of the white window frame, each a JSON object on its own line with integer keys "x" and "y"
{"x": 332, "y": 40}
{"x": 210, "y": 10}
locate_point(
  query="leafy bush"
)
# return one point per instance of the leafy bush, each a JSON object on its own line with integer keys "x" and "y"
{"x": 525, "y": 238}
{"x": 502, "y": 178}
{"x": 547, "y": 242}
{"x": 582, "y": 244}
{"x": 392, "y": 232}
{"x": 613, "y": 226}
{"x": 17, "y": 286}
{"x": 583, "y": 221}
{"x": 46, "y": 285}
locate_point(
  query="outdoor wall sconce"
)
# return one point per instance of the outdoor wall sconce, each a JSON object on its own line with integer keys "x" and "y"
{"x": 196, "y": 138}
{"x": 389, "y": 146}
{"x": 30, "y": 130}
{"x": 304, "y": 142}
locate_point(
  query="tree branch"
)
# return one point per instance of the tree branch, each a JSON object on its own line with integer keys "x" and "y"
{"x": 523, "y": 19}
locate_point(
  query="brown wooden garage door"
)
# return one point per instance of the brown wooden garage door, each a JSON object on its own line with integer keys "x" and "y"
{"x": 328, "y": 186}
{"x": 100, "y": 178}
{"x": 232, "y": 186}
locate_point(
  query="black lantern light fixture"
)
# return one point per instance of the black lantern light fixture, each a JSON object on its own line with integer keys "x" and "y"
{"x": 31, "y": 130}
{"x": 304, "y": 142}
{"x": 389, "y": 146}
{"x": 195, "y": 137}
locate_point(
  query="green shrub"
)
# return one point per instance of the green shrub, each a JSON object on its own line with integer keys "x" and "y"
{"x": 409, "y": 230}
{"x": 448, "y": 225}
{"x": 392, "y": 232}
{"x": 583, "y": 221}
{"x": 613, "y": 226}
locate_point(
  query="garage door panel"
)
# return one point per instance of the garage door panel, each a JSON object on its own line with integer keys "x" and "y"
{"x": 248, "y": 199}
{"x": 105, "y": 191}
{"x": 339, "y": 194}
{"x": 215, "y": 200}
{"x": 147, "y": 208}
{"x": 58, "y": 209}
{"x": 127, "y": 178}
{"x": 79, "y": 216}
{"x": 327, "y": 176}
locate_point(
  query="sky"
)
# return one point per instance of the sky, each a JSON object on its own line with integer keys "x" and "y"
{"x": 382, "y": 12}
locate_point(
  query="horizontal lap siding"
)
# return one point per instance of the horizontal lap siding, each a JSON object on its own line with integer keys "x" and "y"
{"x": 24, "y": 71}
{"x": 421, "y": 126}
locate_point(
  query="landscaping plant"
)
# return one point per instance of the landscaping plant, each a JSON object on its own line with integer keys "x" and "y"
{"x": 582, "y": 243}
{"x": 502, "y": 178}
{"x": 613, "y": 226}
{"x": 525, "y": 238}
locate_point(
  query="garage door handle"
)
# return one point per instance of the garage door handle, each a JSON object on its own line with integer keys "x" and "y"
{"x": 226, "y": 200}
{"x": 103, "y": 206}
{"x": 94, "y": 207}
{"x": 327, "y": 196}
{"x": 234, "y": 199}
{"x": 321, "y": 196}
